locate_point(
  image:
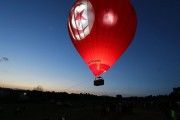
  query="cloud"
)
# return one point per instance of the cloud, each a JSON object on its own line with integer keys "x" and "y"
{"x": 4, "y": 59}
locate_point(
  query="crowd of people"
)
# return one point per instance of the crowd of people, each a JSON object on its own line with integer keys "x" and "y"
{"x": 63, "y": 106}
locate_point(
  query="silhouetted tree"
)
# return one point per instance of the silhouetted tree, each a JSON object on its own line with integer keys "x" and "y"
{"x": 38, "y": 88}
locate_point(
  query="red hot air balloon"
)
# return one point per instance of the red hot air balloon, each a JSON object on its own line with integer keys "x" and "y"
{"x": 101, "y": 30}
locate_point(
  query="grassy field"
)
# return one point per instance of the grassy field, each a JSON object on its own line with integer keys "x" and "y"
{"x": 34, "y": 111}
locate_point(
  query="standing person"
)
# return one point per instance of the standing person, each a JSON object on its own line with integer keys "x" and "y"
{"x": 173, "y": 114}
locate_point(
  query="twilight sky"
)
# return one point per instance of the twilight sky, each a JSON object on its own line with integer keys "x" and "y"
{"x": 35, "y": 41}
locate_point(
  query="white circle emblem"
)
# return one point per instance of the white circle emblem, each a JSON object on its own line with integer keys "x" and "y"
{"x": 81, "y": 19}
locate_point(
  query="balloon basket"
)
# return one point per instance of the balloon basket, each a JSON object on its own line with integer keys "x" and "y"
{"x": 99, "y": 81}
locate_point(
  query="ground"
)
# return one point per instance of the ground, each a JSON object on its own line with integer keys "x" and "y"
{"x": 49, "y": 111}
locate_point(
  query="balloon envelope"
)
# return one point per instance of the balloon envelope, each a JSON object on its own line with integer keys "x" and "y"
{"x": 101, "y": 30}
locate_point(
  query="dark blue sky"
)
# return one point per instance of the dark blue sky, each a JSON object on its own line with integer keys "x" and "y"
{"x": 34, "y": 36}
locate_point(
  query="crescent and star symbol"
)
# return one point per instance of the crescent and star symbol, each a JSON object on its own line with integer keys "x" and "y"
{"x": 79, "y": 18}
{"x": 82, "y": 19}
